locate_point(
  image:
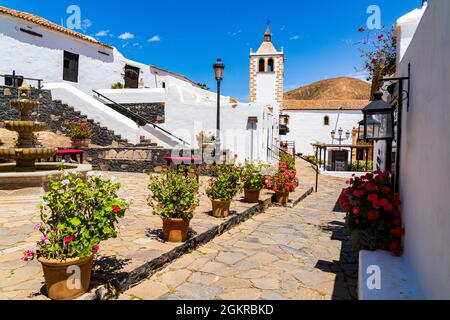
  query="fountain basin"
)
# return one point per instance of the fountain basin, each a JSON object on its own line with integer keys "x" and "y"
{"x": 20, "y": 186}
{"x": 25, "y": 105}
{"x": 25, "y": 126}
{"x": 27, "y": 153}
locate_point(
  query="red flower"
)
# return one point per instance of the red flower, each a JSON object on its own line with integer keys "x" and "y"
{"x": 356, "y": 211}
{"x": 68, "y": 239}
{"x": 371, "y": 187}
{"x": 398, "y": 232}
{"x": 374, "y": 61}
{"x": 361, "y": 29}
{"x": 373, "y": 215}
{"x": 380, "y": 37}
{"x": 398, "y": 222}
{"x": 358, "y": 193}
{"x": 396, "y": 213}
{"x": 386, "y": 190}
{"x": 347, "y": 191}
{"x": 117, "y": 209}
{"x": 387, "y": 206}
{"x": 96, "y": 248}
{"x": 395, "y": 247}
{"x": 396, "y": 200}
{"x": 373, "y": 197}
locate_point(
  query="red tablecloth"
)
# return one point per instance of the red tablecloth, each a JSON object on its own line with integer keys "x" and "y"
{"x": 68, "y": 152}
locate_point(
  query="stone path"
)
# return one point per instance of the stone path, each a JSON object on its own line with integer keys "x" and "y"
{"x": 300, "y": 253}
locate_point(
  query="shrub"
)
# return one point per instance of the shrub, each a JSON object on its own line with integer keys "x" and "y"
{"x": 226, "y": 183}
{"x": 284, "y": 180}
{"x": 373, "y": 208}
{"x": 362, "y": 166}
{"x": 287, "y": 161}
{"x": 206, "y": 137}
{"x": 174, "y": 194}
{"x": 80, "y": 130}
{"x": 252, "y": 176}
{"x": 117, "y": 85}
{"x": 77, "y": 214}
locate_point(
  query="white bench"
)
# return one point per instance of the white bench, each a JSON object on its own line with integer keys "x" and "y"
{"x": 396, "y": 282}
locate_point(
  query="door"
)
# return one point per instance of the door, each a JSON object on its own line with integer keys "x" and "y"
{"x": 131, "y": 77}
{"x": 70, "y": 68}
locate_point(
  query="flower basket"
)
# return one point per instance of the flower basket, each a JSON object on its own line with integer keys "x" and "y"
{"x": 252, "y": 195}
{"x": 174, "y": 197}
{"x": 223, "y": 187}
{"x": 80, "y": 143}
{"x": 283, "y": 182}
{"x": 77, "y": 215}
{"x": 253, "y": 181}
{"x": 282, "y": 197}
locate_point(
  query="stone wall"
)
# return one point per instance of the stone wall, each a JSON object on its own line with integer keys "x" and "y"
{"x": 57, "y": 115}
{"x": 123, "y": 159}
{"x": 153, "y": 112}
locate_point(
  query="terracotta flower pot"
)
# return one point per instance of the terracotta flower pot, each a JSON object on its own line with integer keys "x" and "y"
{"x": 282, "y": 197}
{"x": 175, "y": 230}
{"x": 251, "y": 195}
{"x": 77, "y": 143}
{"x": 221, "y": 209}
{"x": 67, "y": 279}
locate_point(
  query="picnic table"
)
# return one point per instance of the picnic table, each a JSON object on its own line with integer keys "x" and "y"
{"x": 73, "y": 153}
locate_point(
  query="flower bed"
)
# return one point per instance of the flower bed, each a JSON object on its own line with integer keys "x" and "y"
{"x": 373, "y": 213}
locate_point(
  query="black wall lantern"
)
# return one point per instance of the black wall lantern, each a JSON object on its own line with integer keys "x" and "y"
{"x": 378, "y": 119}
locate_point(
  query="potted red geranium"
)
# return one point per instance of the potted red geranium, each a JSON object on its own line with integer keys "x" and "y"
{"x": 76, "y": 216}
{"x": 373, "y": 213}
{"x": 283, "y": 182}
{"x": 80, "y": 133}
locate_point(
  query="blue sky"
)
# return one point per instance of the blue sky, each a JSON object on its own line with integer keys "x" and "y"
{"x": 186, "y": 36}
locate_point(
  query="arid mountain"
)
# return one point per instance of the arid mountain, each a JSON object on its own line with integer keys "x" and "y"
{"x": 343, "y": 88}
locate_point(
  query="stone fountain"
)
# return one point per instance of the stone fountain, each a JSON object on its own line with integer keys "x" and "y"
{"x": 26, "y": 176}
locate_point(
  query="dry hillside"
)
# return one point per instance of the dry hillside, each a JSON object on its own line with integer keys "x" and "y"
{"x": 343, "y": 88}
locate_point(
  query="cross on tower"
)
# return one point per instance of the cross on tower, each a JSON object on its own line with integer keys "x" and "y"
{"x": 268, "y": 22}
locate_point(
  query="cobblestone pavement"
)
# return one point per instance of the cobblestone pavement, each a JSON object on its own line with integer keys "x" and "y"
{"x": 300, "y": 253}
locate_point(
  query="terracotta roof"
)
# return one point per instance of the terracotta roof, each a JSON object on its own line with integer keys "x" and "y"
{"x": 49, "y": 25}
{"x": 324, "y": 104}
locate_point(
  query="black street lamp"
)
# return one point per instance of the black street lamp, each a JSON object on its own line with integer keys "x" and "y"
{"x": 379, "y": 124}
{"x": 219, "y": 69}
{"x": 340, "y": 133}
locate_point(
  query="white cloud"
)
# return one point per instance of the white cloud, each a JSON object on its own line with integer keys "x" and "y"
{"x": 86, "y": 24}
{"x": 296, "y": 37}
{"x": 155, "y": 38}
{"x": 282, "y": 28}
{"x": 126, "y": 36}
{"x": 125, "y": 45}
{"x": 234, "y": 33}
{"x": 102, "y": 33}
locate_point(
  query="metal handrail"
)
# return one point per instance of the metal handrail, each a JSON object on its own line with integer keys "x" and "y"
{"x": 316, "y": 168}
{"x": 14, "y": 77}
{"x": 137, "y": 118}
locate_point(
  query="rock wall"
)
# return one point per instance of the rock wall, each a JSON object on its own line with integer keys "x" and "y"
{"x": 153, "y": 112}
{"x": 57, "y": 115}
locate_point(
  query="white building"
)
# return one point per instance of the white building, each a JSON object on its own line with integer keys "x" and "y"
{"x": 312, "y": 121}
{"x": 72, "y": 65}
{"x": 423, "y": 272}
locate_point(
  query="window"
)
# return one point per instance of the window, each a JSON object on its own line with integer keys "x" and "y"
{"x": 262, "y": 65}
{"x": 326, "y": 121}
{"x": 271, "y": 65}
{"x": 70, "y": 69}
{"x": 31, "y": 32}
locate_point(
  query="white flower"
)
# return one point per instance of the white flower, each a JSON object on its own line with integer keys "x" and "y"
{"x": 65, "y": 173}
{"x": 63, "y": 161}
{"x": 65, "y": 182}
{"x": 44, "y": 203}
{"x": 113, "y": 179}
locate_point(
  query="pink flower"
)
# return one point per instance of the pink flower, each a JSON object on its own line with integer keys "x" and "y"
{"x": 161, "y": 206}
{"x": 38, "y": 225}
{"x": 44, "y": 239}
{"x": 361, "y": 29}
{"x": 96, "y": 248}
{"x": 28, "y": 255}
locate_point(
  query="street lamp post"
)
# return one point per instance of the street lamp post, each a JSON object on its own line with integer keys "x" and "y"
{"x": 340, "y": 133}
{"x": 219, "y": 68}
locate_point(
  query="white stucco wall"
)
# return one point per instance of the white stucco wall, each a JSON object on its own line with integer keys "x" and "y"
{"x": 35, "y": 57}
{"x": 134, "y": 95}
{"x": 187, "y": 117}
{"x": 425, "y": 164}
{"x": 266, "y": 84}
{"x": 307, "y": 127}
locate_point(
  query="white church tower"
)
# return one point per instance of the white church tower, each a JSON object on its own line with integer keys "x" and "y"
{"x": 267, "y": 72}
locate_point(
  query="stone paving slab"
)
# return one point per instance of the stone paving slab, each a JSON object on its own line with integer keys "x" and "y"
{"x": 134, "y": 255}
{"x": 300, "y": 253}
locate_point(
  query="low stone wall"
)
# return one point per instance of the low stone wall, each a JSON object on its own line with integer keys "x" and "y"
{"x": 123, "y": 159}
{"x": 153, "y": 112}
